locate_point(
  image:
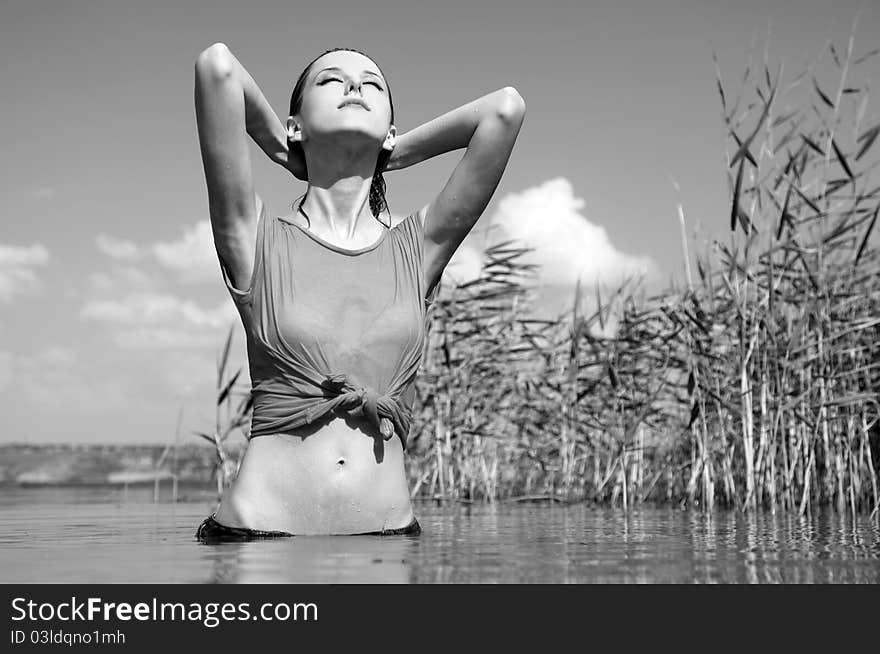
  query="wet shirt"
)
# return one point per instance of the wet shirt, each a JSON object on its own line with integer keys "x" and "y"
{"x": 333, "y": 330}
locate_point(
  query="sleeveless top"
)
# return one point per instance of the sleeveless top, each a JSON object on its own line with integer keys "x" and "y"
{"x": 331, "y": 330}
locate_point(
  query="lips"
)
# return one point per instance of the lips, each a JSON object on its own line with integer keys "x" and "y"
{"x": 353, "y": 101}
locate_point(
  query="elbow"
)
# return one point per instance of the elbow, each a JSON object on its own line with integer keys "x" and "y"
{"x": 511, "y": 106}
{"x": 215, "y": 62}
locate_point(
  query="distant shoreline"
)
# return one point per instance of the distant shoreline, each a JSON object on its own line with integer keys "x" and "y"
{"x": 87, "y": 464}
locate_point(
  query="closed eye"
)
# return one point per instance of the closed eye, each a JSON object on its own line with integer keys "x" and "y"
{"x": 334, "y": 79}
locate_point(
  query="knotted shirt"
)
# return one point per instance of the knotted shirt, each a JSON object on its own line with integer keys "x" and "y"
{"x": 331, "y": 330}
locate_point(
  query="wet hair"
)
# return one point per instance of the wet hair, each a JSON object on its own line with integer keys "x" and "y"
{"x": 378, "y": 203}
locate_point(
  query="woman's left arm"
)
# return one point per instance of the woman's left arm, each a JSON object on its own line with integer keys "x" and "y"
{"x": 488, "y": 128}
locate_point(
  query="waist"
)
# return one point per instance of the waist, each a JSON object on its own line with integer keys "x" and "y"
{"x": 336, "y": 476}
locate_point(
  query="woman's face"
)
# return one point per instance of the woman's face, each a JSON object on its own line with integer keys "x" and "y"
{"x": 346, "y": 96}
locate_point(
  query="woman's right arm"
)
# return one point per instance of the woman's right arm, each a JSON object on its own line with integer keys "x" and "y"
{"x": 230, "y": 106}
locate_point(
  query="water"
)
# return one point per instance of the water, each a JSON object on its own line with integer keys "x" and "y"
{"x": 115, "y": 535}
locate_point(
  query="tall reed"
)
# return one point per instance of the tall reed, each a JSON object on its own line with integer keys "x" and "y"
{"x": 754, "y": 384}
{"x": 228, "y": 419}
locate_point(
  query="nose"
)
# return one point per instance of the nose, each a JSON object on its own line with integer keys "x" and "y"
{"x": 351, "y": 85}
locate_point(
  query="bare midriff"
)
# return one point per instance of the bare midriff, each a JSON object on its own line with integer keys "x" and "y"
{"x": 341, "y": 478}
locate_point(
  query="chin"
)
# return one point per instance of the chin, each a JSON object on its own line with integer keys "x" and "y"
{"x": 352, "y": 131}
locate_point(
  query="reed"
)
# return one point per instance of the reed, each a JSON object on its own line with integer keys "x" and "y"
{"x": 753, "y": 384}
{"x": 229, "y": 419}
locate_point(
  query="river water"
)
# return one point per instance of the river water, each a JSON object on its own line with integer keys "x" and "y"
{"x": 120, "y": 535}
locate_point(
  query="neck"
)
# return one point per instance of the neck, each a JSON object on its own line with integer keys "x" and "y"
{"x": 338, "y": 197}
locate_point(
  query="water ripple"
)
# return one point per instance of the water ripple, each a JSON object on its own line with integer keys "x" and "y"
{"x": 94, "y": 535}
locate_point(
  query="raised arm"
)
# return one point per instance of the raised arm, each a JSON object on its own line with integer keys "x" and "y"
{"x": 488, "y": 128}
{"x": 229, "y": 107}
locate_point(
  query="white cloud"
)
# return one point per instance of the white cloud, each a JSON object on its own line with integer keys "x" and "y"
{"x": 30, "y": 255}
{"x": 71, "y": 391}
{"x": 121, "y": 279}
{"x": 64, "y": 382}
{"x": 150, "y": 346}
{"x": 55, "y": 379}
{"x": 193, "y": 256}
{"x": 117, "y": 248}
{"x": 17, "y": 265}
{"x": 166, "y": 339}
{"x": 567, "y": 245}
{"x": 157, "y": 309}
{"x": 163, "y": 338}
{"x": 15, "y": 281}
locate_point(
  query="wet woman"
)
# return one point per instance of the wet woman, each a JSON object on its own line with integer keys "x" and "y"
{"x": 333, "y": 296}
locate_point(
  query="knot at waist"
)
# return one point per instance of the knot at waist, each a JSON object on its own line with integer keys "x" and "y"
{"x": 382, "y": 410}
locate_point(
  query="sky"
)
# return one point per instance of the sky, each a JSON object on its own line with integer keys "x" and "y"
{"x": 112, "y": 308}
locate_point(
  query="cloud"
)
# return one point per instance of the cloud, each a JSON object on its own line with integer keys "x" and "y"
{"x": 193, "y": 255}
{"x": 157, "y": 309}
{"x": 63, "y": 381}
{"x": 31, "y": 255}
{"x": 56, "y": 379}
{"x": 122, "y": 279}
{"x": 117, "y": 248}
{"x": 567, "y": 245}
{"x": 163, "y": 338}
{"x": 17, "y": 265}
{"x": 147, "y": 345}
{"x": 166, "y": 339}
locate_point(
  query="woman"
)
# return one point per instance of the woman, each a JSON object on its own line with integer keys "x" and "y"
{"x": 333, "y": 296}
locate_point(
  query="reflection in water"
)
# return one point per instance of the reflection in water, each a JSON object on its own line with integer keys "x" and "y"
{"x": 313, "y": 559}
{"x": 101, "y": 535}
